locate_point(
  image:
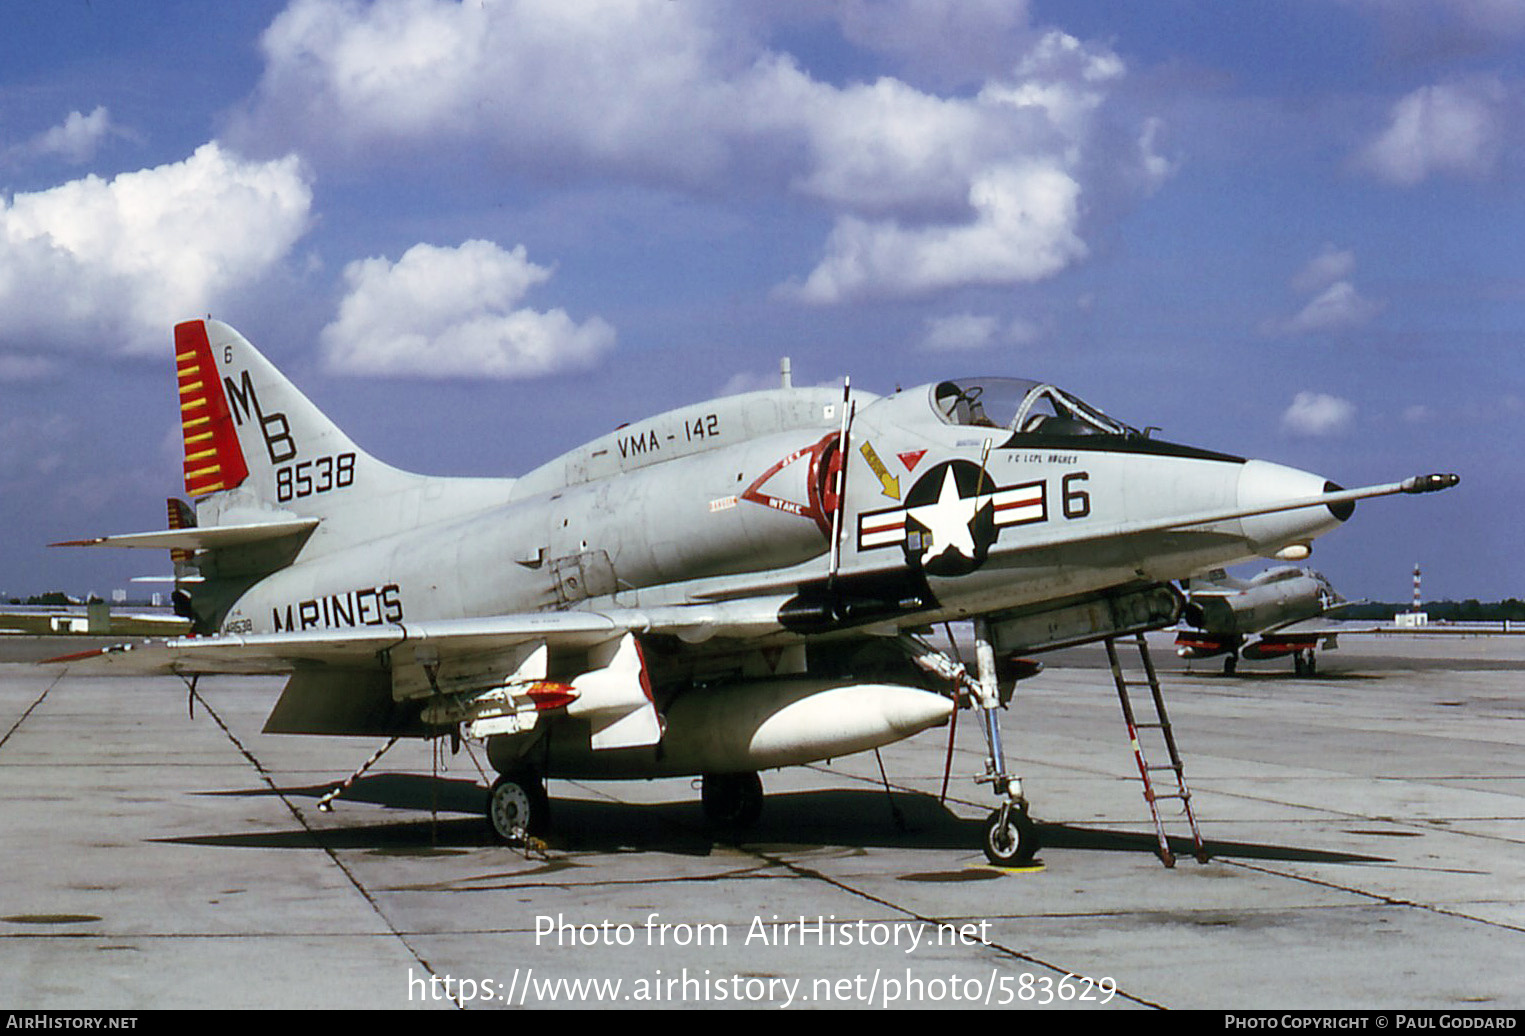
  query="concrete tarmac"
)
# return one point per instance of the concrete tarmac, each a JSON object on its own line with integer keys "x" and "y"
{"x": 1364, "y": 829}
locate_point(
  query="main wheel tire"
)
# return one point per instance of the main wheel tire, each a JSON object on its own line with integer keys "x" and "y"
{"x": 732, "y": 800}
{"x": 1012, "y": 843}
{"x": 517, "y": 807}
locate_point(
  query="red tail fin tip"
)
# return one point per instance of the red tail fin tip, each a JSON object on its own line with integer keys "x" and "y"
{"x": 213, "y": 460}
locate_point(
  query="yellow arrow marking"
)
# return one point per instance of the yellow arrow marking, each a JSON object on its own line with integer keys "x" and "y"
{"x": 889, "y": 483}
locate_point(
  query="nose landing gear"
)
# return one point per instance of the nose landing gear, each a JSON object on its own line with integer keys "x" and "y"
{"x": 1011, "y": 837}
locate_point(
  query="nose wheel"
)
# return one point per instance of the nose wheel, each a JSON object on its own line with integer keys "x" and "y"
{"x": 1011, "y": 837}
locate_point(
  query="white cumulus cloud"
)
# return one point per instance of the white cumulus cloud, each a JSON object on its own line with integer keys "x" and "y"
{"x": 926, "y": 190}
{"x": 1015, "y": 149}
{"x": 1335, "y": 304}
{"x": 1023, "y": 229}
{"x": 116, "y": 263}
{"x": 75, "y": 139}
{"x": 636, "y": 82}
{"x": 885, "y": 144}
{"x": 1447, "y": 129}
{"x": 454, "y": 313}
{"x": 1317, "y": 414}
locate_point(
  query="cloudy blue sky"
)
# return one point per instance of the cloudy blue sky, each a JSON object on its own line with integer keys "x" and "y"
{"x": 481, "y": 233}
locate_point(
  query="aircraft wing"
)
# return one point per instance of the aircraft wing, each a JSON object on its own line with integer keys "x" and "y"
{"x": 274, "y": 653}
{"x": 1321, "y": 627}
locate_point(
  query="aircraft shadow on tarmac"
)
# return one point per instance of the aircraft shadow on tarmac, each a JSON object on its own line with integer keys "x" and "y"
{"x": 847, "y": 818}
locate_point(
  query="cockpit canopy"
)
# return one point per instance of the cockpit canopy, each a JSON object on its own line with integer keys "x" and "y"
{"x": 1023, "y": 407}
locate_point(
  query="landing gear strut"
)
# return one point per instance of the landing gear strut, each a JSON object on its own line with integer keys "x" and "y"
{"x": 1010, "y": 836}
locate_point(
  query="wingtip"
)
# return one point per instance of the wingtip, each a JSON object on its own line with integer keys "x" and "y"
{"x": 92, "y": 654}
{"x": 77, "y": 656}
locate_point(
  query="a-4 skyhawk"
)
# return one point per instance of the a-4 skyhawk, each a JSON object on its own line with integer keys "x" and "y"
{"x": 725, "y": 588}
{"x": 1222, "y": 614}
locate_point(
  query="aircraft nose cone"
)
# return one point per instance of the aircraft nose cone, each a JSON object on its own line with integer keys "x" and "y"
{"x": 1262, "y": 484}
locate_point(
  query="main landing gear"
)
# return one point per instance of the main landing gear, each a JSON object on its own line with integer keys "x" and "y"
{"x": 731, "y": 800}
{"x": 518, "y": 807}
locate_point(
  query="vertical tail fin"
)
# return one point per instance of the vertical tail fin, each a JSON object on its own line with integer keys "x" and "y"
{"x": 252, "y": 435}
{"x": 258, "y": 451}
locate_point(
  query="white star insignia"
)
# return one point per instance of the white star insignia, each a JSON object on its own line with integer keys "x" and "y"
{"x": 948, "y": 520}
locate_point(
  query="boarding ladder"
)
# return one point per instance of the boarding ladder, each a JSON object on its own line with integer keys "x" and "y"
{"x": 1153, "y": 793}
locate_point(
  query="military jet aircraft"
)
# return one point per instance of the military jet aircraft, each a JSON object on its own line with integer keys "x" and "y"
{"x": 1222, "y": 613}
{"x": 728, "y": 587}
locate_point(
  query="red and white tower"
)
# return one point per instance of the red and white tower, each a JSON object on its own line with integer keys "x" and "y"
{"x": 1415, "y": 616}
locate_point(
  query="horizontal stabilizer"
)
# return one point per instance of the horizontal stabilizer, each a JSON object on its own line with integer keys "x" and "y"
{"x": 203, "y": 538}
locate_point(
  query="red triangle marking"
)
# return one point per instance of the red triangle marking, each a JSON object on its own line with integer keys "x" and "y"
{"x": 911, "y": 459}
